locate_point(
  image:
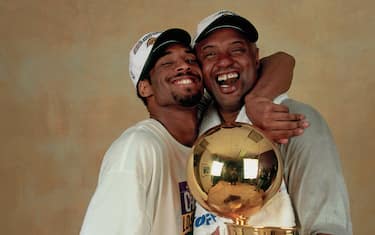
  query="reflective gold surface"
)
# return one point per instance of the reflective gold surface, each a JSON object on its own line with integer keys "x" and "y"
{"x": 233, "y": 171}
{"x": 234, "y": 229}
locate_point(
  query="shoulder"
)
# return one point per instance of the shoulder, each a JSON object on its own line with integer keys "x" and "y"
{"x": 139, "y": 145}
{"x": 146, "y": 131}
{"x": 318, "y": 130}
{"x": 312, "y": 114}
{"x": 297, "y": 106}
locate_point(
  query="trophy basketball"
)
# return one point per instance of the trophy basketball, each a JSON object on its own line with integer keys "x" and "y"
{"x": 233, "y": 171}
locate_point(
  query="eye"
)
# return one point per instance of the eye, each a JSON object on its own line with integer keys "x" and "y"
{"x": 238, "y": 50}
{"x": 191, "y": 61}
{"x": 166, "y": 63}
{"x": 209, "y": 55}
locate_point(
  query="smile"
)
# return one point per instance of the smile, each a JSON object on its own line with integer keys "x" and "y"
{"x": 183, "y": 82}
{"x": 227, "y": 79}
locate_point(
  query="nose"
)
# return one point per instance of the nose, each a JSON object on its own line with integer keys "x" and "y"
{"x": 224, "y": 60}
{"x": 183, "y": 66}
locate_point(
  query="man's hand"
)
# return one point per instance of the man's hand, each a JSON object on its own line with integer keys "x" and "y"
{"x": 274, "y": 119}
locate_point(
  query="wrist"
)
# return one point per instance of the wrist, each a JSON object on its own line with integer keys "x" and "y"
{"x": 251, "y": 97}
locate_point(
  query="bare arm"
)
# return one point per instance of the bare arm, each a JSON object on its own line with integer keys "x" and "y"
{"x": 276, "y": 75}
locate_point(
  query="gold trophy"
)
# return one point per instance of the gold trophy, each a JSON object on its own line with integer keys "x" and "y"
{"x": 233, "y": 171}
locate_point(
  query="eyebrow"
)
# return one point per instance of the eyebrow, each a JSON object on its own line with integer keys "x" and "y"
{"x": 207, "y": 47}
{"x": 164, "y": 53}
{"x": 238, "y": 42}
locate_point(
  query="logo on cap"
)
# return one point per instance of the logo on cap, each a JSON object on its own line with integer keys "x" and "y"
{"x": 139, "y": 44}
{"x": 149, "y": 37}
{"x": 151, "y": 42}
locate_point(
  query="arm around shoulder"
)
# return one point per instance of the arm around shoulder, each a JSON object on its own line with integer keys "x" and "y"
{"x": 275, "y": 75}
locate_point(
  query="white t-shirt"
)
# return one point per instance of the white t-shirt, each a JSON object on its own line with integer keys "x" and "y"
{"x": 277, "y": 212}
{"x": 142, "y": 186}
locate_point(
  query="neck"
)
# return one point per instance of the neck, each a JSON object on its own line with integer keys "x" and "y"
{"x": 228, "y": 115}
{"x": 181, "y": 122}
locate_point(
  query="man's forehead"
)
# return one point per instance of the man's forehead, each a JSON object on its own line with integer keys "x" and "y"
{"x": 231, "y": 36}
{"x": 175, "y": 47}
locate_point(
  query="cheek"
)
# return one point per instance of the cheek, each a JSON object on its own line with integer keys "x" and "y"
{"x": 206, "y": 70}
{"x": 197, "y": 69}
{"x": 209, "y": 84}
{"x": 157, "y": 84}
{"x": 250, "y": 61}
{"x": 249, "y": 67}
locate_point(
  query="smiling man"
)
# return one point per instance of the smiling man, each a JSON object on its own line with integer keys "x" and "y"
{"x": 142, "y": 183}
{"x": 226, "y": 48}
{"x": 231, "y": 64}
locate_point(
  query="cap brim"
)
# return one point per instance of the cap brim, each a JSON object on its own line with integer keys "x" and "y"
{"x": 230, "y": 21}
{"x": 168, "y": 37}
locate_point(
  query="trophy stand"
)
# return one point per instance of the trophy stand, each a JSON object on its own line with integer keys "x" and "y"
{"x": 234, "y": 229}
{"x": 239, "y": 227}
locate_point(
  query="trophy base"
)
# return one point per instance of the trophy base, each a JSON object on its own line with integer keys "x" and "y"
{"x": 234, "y": 229}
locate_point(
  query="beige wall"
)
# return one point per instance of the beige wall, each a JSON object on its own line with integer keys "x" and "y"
{"x": 65, "y": 94}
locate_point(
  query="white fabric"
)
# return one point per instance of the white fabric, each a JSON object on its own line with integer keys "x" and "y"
{"x": 278, "y": 212}
{"x": 139, "y": 54}
{"x": 145, "y": 48}
{"x": 203, "y": 24}
{"x": 142, "y": 186}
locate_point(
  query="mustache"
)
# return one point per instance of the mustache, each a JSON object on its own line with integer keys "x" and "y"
{"x": 226, "y": 70}
{"x": 187, "y": 73}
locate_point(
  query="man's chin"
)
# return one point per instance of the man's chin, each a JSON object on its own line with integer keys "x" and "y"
{"x": 190, "y": 101}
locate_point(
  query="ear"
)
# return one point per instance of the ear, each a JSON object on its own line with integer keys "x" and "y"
{"x": 145, "y": 88}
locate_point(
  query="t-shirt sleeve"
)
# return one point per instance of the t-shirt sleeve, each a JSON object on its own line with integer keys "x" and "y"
{"x": 119, "y": 204}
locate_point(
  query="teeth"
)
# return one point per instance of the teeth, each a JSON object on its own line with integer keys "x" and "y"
{"x": 224, "y": 77}
{"x": 184, "y": 81}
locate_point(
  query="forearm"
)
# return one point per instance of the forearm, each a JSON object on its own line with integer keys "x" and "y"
{"x": 276, "y": 72}
{"x": 275, "y": 76}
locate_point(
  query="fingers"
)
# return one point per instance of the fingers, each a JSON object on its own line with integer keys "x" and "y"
{"x": 275, "y": 119}
{"x": 286, "y": 125}
{"x": 282, "y": 121}
{"x": 282, "y": 136}
{"x": 282, "y": 141}
{"x": 282, "y": 117}
{"x": 279, "y": 116}
{"x": 277, "y": 107}
{"x": 281, "y": 112}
